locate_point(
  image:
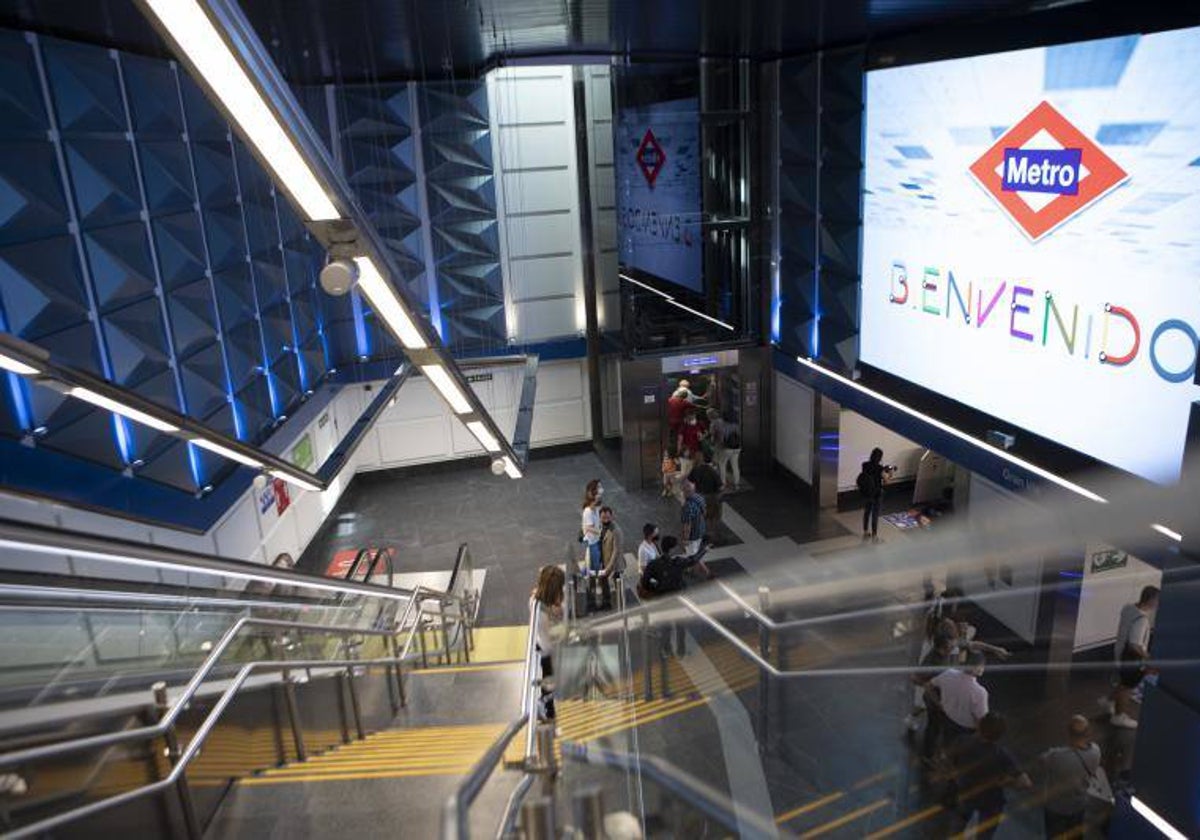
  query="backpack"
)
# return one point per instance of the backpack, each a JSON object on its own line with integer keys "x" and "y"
{"x": 866, "y": 485}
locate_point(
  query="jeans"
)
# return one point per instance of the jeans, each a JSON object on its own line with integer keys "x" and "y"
{"x": 594, "y": 563}
{"x": 871, "y": 516}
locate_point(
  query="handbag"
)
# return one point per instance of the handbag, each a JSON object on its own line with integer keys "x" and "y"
{"x": 1098, "y": 788}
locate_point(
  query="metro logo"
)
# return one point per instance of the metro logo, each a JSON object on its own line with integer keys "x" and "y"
{"x": 1044, "y": 171}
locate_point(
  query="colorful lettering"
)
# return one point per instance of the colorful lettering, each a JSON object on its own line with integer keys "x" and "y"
{"x": 929, "y": 285}
{"x": 981, "y": 314}
{"x": 964, "y": 306}
{"x": 1051, "y": 308}
{"x": 1185, "y": 328}
{"x": 1018, "y": 309}
{"x": 1121, "y": 312}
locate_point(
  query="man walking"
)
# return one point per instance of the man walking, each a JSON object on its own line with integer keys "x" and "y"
{"x": 691, "y": 519}
{"x": 612, "y": 540}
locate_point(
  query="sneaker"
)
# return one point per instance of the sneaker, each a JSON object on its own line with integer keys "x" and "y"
{"x": 12, "y": 784}
{"x": 1123, "y": 721}
{"x": 912, "y": 722}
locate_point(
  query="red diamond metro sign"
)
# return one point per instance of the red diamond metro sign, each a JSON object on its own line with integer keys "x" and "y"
{"x": 650, "y": 157}
{"x": 1044, "y": 171}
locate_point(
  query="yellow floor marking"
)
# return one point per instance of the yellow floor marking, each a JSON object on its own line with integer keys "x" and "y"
{"x": 502, "y": 665}
{"x": 500, "y": 644}
{"x": 912, "y": 819}
{"x": 833, "y": 825}
{"x": 811, "y": 806}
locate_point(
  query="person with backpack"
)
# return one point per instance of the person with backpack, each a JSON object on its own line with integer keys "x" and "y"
{"x": 727, "y": 447}
{"x": 870, "y": 487}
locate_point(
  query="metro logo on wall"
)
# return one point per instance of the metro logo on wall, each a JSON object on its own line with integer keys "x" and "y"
{"x": 1044, "y": 171}
{"x": 650, "y": 157}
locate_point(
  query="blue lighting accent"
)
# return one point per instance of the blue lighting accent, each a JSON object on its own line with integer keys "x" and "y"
{"x": 1066, "y": 574}
{"x": 124, "y": 438}
{"x": 776, "y": 306}
{"x": 193, "y": 457}
{"x": 20, "y": 401}
{"x": 915, "y": 152}
{"x": 361, "y": 337}
{"x": 815, "y": 338}
{"x": 272, "y": 393}
{"x": 239, "y": 422}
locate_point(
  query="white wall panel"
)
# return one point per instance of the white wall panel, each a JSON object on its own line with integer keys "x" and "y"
{"x": 547, "y": 277}
{"x": 535, "y": 236}
{"x": 559, "y": 381}
{"x": 532, "y": 99}
{"x": 602, "y": 143}
{"x": 537, "y": 192}
{"x": 284, "y": 539}
{"x": 793, "y": 419}
{"x": 237, "y": 536}
{"x": 414, "y": 440}
{"x": 533, "y": 146}
{"x": 539, "y": 320}
{"x": 557, "y": 422}
{"x": 604, "y": 192}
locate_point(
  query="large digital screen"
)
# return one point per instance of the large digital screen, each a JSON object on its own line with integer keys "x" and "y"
{"x": 1031, "y": 242}
{"x": 658, "y": 190}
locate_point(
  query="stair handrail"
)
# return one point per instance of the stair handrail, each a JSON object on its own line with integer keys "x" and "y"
{"x": 455, "y": 813}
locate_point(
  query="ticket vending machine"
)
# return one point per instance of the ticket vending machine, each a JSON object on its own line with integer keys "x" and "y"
{"x": 733, "y": 381}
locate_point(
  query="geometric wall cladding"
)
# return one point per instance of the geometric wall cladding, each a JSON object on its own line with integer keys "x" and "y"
{"x": 820, "y": 174}
{"x": 140, "y": 241}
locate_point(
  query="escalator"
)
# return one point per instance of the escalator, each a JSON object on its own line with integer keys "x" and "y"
{"x": 137, "y": 693}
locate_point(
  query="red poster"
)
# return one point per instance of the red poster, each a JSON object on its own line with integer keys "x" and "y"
{"x": 341, "y": 563}
{"x": 282, "y": 500}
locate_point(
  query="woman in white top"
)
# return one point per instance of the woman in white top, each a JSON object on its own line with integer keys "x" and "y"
{"x": 648, "y": 550}
{"x": 589, "y": 526}
{"x": 549, "y": 594}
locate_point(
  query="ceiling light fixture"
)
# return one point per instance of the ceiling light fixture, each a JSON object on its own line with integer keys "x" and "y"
{"x": 296, "y": 480}
{"x": 483, "y": 435}
{"x": 125, "y": 411}
{"x": 1155, "y": 820}
{"x": 448, "y": 388}
{"x": 10, "y": 364}
{"x": 1167, "y": 532}
{"x": 226, "y": 452}
{"x": 187, "y": 24}
{"x": 510, "y": 469}
{"x": 387, "y": 304}
{"x": 961, "y": 435}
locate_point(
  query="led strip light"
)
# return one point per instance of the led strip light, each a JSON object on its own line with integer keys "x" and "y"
{"x": 676, "y": 303}
{"x": 1152, "y": 817}
{"x": 961, "y": 435}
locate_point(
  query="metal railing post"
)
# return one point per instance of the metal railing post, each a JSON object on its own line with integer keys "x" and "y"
{"x": 587, "y": 807}
{"x": 665, "y": 649}
{"x": 397, "y": 671}
{"x": 186, "y": 805}
{"x": 537, "y": 819}
{"x": 293, "y": 713}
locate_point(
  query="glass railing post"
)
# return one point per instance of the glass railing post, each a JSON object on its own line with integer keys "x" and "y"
{"x": 764, "y": 678}
{"x": 647, "y": 676}
{"x": 537, "y": 819}
{"x": 186, "y": 806}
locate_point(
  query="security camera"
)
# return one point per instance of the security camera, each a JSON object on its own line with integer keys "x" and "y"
{"x": 338, "y": 276}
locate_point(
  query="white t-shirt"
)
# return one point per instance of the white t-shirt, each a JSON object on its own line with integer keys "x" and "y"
{"x": 590, "y": 518}
{"x": 1133, "y": 628}
{"x": 647, "y": 551}
{"x": 964, "y": 700}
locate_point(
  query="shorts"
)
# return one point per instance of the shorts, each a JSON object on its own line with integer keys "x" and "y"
{"x": 691, "y": 548}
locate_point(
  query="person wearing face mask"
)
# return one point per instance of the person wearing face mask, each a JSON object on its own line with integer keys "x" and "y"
{"x": 648, "y": 550}
{"x": 590, "y": 528}
{"x": 689, "y": 442}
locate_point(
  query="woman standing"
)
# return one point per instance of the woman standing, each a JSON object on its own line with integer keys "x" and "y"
{"x": 549, "y": 595}
{"x": 589, "y": 527}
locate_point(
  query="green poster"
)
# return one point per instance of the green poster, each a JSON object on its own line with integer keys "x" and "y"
{"x": 302, "y": 453}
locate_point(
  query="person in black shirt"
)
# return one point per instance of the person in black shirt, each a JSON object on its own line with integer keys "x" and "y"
{"x": 708, "y": 484}
{"x": 984, "y": 769}
{"x": 870, "y": 486}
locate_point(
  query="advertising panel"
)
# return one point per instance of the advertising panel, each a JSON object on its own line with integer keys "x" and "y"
{"x": 658, "y": 190}
{"x": 1031, "y": 245}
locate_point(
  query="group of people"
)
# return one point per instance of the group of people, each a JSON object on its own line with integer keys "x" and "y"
{"x": 962, "y": 740}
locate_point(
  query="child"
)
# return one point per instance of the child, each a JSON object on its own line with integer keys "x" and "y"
{"x": 670, "y": 472}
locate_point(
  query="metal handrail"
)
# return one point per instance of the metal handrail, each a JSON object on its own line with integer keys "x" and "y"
{"x": 455, "y": 823}
{"x": 19, "y": 591}
{"x": 91, "y": 742}
{"x": 697, "y": 794}
{"x": 193, "y": 747}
